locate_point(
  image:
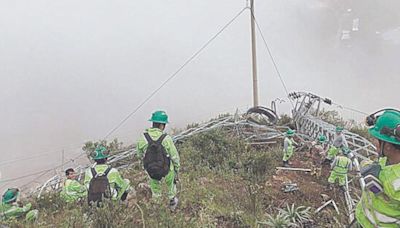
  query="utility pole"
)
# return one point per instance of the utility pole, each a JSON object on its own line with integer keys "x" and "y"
{"x": 254, "y": 55}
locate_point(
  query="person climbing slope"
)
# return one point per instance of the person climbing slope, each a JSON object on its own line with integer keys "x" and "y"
{"x": 341, "y": 165}
{"x": 288, "y": 147}
{"x": 160, "y": 158}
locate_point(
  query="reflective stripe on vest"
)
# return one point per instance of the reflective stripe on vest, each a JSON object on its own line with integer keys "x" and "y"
{"x": 290, "y": 145}
{"x": 340, "y": 167}
{"x": 68, "y": 191}
{"x": 380, "y": 217}
{"x": 396, "y": 184}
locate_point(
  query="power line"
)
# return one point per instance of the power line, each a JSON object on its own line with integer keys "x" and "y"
{"x": 8, "y": 162}
{"x": 190, "y": 59}
{"x": 272, "y": 57}
{"x": 70, "y": 147}
{"x": 25, "y": 176}
{"x": 175, "y": 73}
{"x": 280, "y": 76}
{"x": 35, "y": 179}
{"x": 42, "y": 172}
{"x": 350, "y": 109}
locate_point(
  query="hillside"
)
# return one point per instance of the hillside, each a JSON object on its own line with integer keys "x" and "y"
{"x": 224, "y": 183}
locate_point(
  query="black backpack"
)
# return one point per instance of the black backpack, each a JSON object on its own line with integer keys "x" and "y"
{"x": 99, "y": 187}
{"x": 156, "y": 162}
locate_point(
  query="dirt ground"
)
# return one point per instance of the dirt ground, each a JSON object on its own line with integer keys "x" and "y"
{"x": 313, "y": 191}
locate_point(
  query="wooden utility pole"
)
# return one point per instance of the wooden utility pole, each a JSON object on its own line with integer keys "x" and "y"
{"x": 254, "y": 55}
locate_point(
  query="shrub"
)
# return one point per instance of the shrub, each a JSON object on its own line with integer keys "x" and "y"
{"x": 279, "y": 221}
{"x": 297, "y": 215}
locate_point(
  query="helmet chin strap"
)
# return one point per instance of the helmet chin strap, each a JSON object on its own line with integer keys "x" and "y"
{"x": 382, "y": 146}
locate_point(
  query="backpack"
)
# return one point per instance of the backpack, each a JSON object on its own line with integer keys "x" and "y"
{"x": 99, "y": 187}
{"x": 156, "y": 162}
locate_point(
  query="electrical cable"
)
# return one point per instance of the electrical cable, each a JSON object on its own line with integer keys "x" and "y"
{"x": 71, "y": 147}
{"x": 279, "y": 74}
{"x": 271, "y": 56}
{"x": 25, "y": 176}
{"x": 42, "y": 172}
{"x": 350, "y": 109}
{"x": 190, "y": 59}
{"x": 8, "y": 162}
{"x": 175, "y": 73}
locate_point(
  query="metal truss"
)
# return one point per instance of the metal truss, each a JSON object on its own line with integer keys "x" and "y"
{"x": 257, "y": 126}
{"x": 306, "y": 116}
{"x": 245, "y": 125}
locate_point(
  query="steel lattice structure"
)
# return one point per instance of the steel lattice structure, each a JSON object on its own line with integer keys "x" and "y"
{"x": 306, "y": 116}
{"x": 257, "y": 126}
{"x": 245, "y": 125}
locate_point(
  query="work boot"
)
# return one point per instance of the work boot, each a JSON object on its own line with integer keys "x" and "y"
{"x": 173, "y": 203}
{"x": 330, "y": 187}
{"x": 326, "y": 162}
{"x": 285, "y": 164}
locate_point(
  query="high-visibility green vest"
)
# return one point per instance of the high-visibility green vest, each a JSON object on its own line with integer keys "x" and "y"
{"x": 290, "y": 147}
{"x": 12, "y": 210}
{"x": 332, "y": 152}
{"x": 73, "y": 191}
{"x": 382, "y": 210}
{"x": 342, "y": 165}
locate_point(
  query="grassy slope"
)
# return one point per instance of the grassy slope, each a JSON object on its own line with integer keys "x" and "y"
{"x": 224, "y": 183}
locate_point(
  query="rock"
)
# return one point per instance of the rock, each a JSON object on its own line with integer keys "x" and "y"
{"x": 325, "y": 197}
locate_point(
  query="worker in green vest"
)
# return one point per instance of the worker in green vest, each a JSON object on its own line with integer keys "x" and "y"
{"x": 341, "y": 165}
{"x": 11, "y": 209}
{"x": 380, "y": 201}
{"x": 288, "y": 147}
{"x": 160, "y": 158}
{"x": 318, "y": 149}
{"x": 339, "y": 142}
{"x": 72, "y": 191}
{"x": 115, "y": 187}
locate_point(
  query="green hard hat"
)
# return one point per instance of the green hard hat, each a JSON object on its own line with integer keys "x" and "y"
{"x": 99, "y": 153}
{"x": 339, "y": 129}
{"x": 345, "y": 150}
{"x": 159, "y": 117}
{"x": 290, "y": 132}
{"x": 386, "y": 127}
{"x": 322, "y": 138}
{"x": 10, "y": 195}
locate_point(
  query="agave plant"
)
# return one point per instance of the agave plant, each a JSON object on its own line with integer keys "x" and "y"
{"x": 279, "y": 221}
{"x": 297, "y": 215}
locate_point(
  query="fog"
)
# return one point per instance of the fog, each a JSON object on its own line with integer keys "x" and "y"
{"x": 70, "y": 71}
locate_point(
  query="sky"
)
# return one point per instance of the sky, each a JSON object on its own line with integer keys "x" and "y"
{"x": 70, "y": 71}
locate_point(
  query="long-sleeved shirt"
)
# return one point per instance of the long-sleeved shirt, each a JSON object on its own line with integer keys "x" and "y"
{"x": 288, "y": 144}
{"x": 340, "y": 141}
{"x": 73, "y": 191}
{"x": 12, "y": 210}
{"x": 118, "y": 185}
{"x": 168, "y": 144}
